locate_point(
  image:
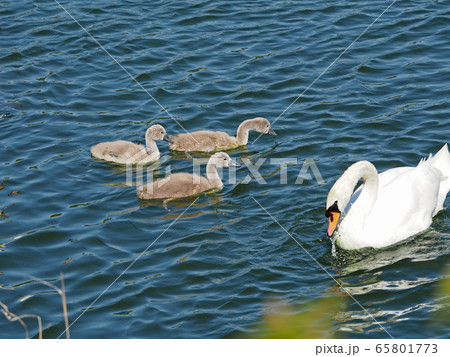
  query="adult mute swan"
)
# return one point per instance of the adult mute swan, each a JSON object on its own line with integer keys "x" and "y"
{"x": 126, "y": 152}
{"x": 390, "y": 206}
{"x": 207, "y": 140}
{"x": 183, "y": 184}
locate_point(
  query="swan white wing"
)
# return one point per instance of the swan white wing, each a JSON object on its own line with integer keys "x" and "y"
{"x": 384, "y": 179}
{"x": 406, "y": 201}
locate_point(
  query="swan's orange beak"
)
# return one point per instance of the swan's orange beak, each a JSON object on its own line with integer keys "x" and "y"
{"x": 333, "y": 213}
{"x": 333, "y": 220}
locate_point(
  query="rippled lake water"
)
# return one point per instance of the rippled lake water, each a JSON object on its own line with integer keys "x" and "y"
{"x": 212, "y": 265}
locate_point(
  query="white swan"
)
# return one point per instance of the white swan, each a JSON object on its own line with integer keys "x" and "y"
{"x": 389, "y": 206}
{"x": 126, "y": 152}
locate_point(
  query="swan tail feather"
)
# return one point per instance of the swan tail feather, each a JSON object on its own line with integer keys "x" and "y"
{"x": 441, "y": 161}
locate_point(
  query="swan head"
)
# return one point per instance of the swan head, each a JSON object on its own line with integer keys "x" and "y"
{"x": 262, "y": 125}
{"x": 222, "y": 159}
{"x": 333, "y": 213}
{"x": 337, "y": 201}
{"x": 157, "y": 132}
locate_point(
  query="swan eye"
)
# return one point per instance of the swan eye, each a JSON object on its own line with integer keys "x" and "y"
{"x": 224, "y": 159}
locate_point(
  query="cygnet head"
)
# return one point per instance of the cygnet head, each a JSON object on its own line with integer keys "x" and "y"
{"x": 262, "y": 125}
{"x": 157, "y": 132}
{"x": 222, "y": 159}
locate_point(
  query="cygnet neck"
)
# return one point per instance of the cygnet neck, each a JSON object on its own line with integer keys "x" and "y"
{"x": 151, "y": 147}
{"x": 243, "y": 129}
{"x": 212, "y": 175}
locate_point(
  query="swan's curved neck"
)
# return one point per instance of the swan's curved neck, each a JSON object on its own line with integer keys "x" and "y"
{"x": 369, "y": 192}
{"x": 151, "y": 147}
{"x": 212, "y": 175}
{"x": 242, "y": 132}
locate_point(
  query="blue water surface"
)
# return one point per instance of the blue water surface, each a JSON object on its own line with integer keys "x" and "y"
{"x": 206, "y": 268}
